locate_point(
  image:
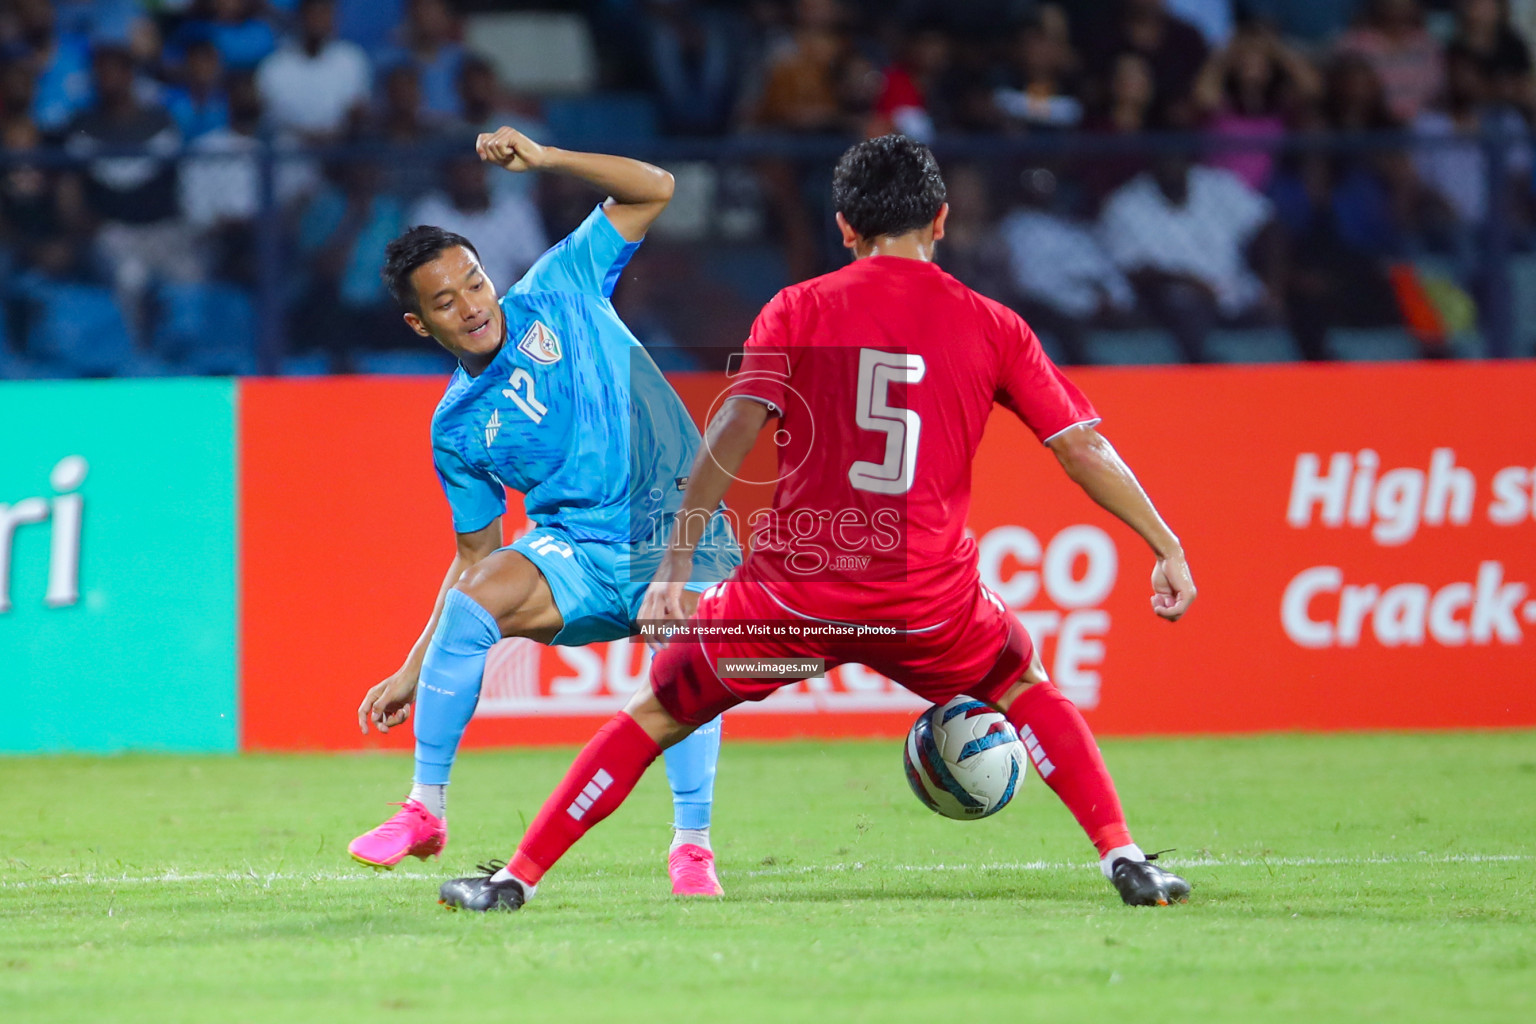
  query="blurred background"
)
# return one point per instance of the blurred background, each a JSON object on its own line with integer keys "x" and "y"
{"x": 206, "y": 186}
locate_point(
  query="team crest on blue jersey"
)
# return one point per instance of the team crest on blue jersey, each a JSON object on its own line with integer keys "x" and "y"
{"x": 540, "y": 344}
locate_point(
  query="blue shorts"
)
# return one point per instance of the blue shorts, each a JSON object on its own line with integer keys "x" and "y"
{"x": 598, "y": 586}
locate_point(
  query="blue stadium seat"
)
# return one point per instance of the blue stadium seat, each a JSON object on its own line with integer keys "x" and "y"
{"x": 754, "y": 272}
{"x": 313, "y": 364}
{"x": 601, "y": 119}
{"x": 145, "y": 364}
{"x": 79, "y": 328}
{"x": 206, "y": 328}
{"x": 1255, "y": 345}
{"x": 368, "y": 23}
{"x": 1373, "y": 344}
{"x": 434, "y": 364}
{"x": 1470, "y": 345}
{"x": 1522, "y": 280}
{"x": 15, "y": 367}
{"x": 1142, "y": 347}
{"x": 1311, "y": 20}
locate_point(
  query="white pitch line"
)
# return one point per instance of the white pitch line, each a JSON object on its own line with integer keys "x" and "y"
{"x": 266, "y": 879}
{"x": 1183, "y": 862}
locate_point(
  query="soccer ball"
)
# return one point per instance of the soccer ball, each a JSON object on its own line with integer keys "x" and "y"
{"x": 963, "y": 759}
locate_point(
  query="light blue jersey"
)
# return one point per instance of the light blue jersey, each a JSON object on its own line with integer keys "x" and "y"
{"x": 573, "y": 413}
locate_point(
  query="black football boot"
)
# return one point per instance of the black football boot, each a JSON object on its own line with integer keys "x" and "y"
{"x": 478, "y": 892}
{"x": 1143, "y": 884}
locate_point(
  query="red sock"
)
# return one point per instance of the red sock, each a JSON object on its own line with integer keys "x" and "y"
{"x": 1068, "y": 760}
{"x": 598, "y": 781}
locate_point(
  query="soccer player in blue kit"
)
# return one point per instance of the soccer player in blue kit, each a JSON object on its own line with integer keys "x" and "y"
{"x": 555, "y": 398}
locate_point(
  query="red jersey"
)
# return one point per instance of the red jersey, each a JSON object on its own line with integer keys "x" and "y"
{"x": 883, "y": 375}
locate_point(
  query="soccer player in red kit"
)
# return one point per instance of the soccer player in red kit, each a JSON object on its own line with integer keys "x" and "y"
{"x": 880, "y": 378}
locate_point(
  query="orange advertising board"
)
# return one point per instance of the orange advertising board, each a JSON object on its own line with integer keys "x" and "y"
{"x": 1364, "y": 539}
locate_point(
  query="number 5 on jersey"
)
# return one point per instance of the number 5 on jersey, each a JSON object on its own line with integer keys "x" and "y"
{"x": 877, "y": 372}
{"x": 522, "y": 381}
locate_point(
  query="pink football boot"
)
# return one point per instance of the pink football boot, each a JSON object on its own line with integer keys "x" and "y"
{"x": 413, "y": 832}
{"x": 693, "y": 872}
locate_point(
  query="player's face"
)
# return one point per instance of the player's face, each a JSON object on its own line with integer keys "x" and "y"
{"x": 458, "y": 305}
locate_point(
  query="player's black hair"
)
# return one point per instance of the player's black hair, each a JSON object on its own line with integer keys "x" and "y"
{"x": 410, "y": 252}
{"x": 888, "y": 186}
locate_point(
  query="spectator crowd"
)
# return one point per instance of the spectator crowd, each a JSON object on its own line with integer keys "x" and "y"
{"x": 1195, "y": 166}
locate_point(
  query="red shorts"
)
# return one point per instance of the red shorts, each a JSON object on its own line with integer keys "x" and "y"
{"x": 980, "y": 651}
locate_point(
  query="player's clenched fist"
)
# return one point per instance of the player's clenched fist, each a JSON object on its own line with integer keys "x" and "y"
{"x": 510, "y": 148}
{"x": 387, "y": 704}
{"x": 1173, "y": 588}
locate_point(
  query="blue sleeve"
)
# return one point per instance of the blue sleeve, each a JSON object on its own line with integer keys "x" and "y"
{"x": 588, "y": 260}
{"x": 474, "y": 496}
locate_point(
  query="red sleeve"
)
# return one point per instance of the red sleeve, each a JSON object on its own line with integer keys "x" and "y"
{"x": 762, "y": 372}
{"x": 1033, "y": 388}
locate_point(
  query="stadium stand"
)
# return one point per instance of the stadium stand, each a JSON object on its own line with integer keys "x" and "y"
{"x": 1353, "y": 167}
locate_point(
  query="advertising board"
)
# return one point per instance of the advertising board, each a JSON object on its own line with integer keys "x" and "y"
{"x": 1364, "y": 539}
{"x": 117, "y": 565}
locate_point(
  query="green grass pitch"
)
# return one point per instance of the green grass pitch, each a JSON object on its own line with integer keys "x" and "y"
{"x": 1355, "y": 878}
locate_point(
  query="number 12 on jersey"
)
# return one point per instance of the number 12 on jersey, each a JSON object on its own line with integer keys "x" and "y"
{"x": 877, "y": 372}
{"x": 520, "y": 381}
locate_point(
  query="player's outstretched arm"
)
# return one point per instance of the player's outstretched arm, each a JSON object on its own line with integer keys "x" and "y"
{"x": 727, "y": 440}
{"x": 388, "y": 703}
{"x": 637, "y": 191}
{"x": 1094, "y": 465}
